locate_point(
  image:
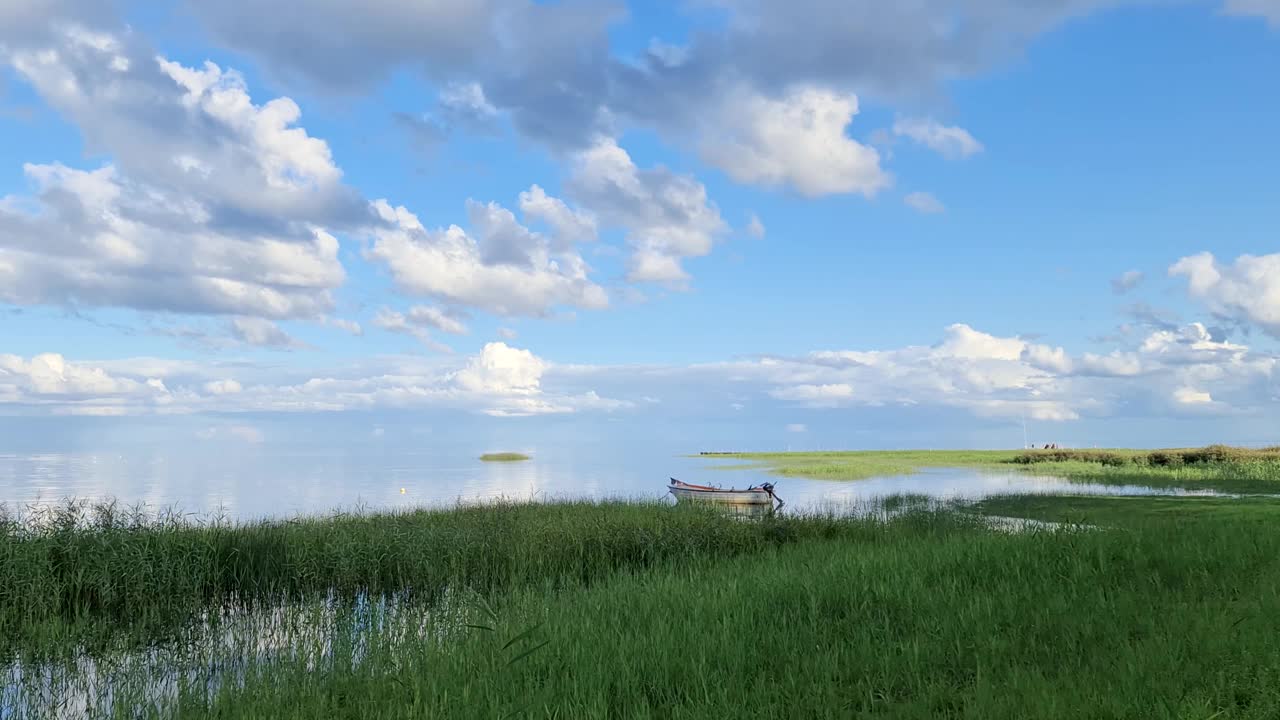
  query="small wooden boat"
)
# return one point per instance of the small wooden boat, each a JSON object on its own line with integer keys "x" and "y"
{"x": 761, "y": 494}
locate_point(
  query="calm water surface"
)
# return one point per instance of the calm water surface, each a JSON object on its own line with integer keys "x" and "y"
{"x": 256, "y": 481}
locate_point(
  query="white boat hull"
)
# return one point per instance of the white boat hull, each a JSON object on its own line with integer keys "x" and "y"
{"x": 725, "y": 497}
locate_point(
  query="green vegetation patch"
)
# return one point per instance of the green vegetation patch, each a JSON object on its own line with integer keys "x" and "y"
{"x": 1217, "y": 467}
{"x": 504, "y": 457}
{"x": 862, "y": 464}
{"x": 925, "y": 617}
{"x": 1177, "y": 457}
{"x": 1133, "y": 511}
{"x": 82, "y": 574}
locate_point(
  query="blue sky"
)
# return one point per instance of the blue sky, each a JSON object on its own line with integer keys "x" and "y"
{"x": 818, "y": 220}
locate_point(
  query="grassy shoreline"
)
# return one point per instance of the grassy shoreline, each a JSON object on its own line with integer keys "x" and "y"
{"x": 1232, "y": 470}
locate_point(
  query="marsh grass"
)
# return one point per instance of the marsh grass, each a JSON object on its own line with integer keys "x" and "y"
{"x": 504, "y": 457}
{"x": 1176, "y": 457}
{"x": 650, "y": 611}
{"x": 862, "y": 464}
{"x": 87, "y": 577}
{"x": 926, "y": 616}
{"x": 1262, "y": 514}
{"x": 1217, "y": 467}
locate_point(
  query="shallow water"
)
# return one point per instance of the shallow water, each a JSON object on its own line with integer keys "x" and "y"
{"x": 255, "y": 481}
{"x": 223, "y": 649}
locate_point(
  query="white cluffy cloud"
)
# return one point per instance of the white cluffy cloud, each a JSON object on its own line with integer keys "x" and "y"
{"x": 667, "y": 217}
{"x": 997, "y": 377}
{"x": 988, "y": 376}
{"x": 48, "y": 382}
{"x": 505, "y": 268}
{"x": 797, "y": 140}
{"x": 215, "y": 205}
{"x": 419, "y": 322}
{"x": 212, "y": 204}
{"x": 1247, "y": 290}
{"x": 500, "y": 380}
{"x": 947, "y": 140}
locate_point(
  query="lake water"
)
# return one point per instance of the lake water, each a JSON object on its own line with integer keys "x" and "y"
{"x": 256, "y": 481}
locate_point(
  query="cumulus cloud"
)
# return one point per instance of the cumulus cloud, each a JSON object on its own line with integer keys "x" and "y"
{"x": 968, "y": 370}
{"x": 923, "y": 202}
{"x": 550, "y": 67}
{"x": 500, "y": 380}
{"x": 433, "y": 317}
{"x": 507, "y": 269}
{"x": 262, "y": 333}
{"x": 500, "y": 368}
{"x": 755, "y": 228}
{"x": 1057, "y": 360}
{"x": 348, "y": 326}
{"x": 797, "y": 140}
{"x": 419, "y": 322}
{"x": 1246, "y": 291}
{"x": 222, "y": 387}
{"x": 567, "y": 225}
{"x": 1191, "y": 396}
{"x": 215, "y": 205}
{"x": 992, "y": 376}
{"x": 947, "y": 140}
{"x": 51, "y": 382}
{"x": 211, "y": 204}
{"x": 465, "y": 103}
{"x": 1126, "y": 282}
{"x": 816, "y": 395}
{"x": 1190, "y": 344}
{"x": 667, "y": 217}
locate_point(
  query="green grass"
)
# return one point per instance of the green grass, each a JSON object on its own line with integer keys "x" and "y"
{"x": 649, "y": 611}
{"x": 927, "y": 617}
{"x": 504, "y": 457}
{"x": 1225, "y": 469}
{"x": 862, "y": 464}
{"x": 1230, "y": 477}
{"x": 1130, "y": 511}
{"x": 79, "y": 574}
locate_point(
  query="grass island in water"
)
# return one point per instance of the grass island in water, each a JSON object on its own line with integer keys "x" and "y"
{"x": 504, "y": 457}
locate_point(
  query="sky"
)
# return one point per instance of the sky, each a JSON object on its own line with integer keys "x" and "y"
{"x": 744, "y": 224}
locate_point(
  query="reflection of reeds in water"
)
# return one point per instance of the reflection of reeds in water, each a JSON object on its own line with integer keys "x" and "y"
{"x": 219, "y": 652}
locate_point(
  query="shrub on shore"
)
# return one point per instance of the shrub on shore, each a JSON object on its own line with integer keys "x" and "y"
{"x": 1213, "y": 454}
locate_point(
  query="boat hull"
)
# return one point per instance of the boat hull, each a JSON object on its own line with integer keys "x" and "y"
{"x": 723, "y": 497}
